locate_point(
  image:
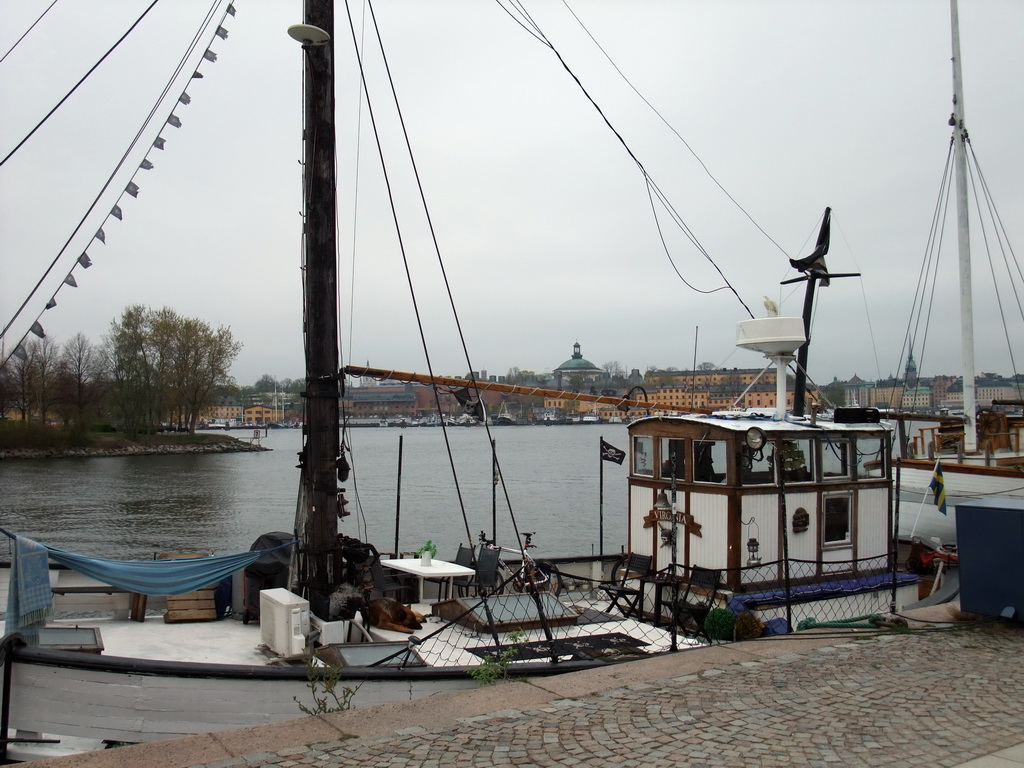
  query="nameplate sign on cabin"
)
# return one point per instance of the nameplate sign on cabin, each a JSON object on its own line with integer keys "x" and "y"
{"x": 685, "y": 519}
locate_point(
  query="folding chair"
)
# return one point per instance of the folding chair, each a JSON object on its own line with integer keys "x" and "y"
{"x": 698, "y": 600}
{"x": 485, "y": 580}
{"x": 624, "y": 597}
{"x": 388, "y": 585}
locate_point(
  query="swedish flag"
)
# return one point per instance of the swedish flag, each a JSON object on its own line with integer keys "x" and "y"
{"x": 938, "y": 487}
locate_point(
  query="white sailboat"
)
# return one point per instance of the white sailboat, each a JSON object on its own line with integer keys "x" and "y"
{"x": 986, "y": 456}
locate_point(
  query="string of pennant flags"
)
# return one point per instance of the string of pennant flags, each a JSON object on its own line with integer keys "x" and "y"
{"x": 132, "y": 189}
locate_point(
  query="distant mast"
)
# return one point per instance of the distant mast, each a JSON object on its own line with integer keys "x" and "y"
{"x": 960, "y": 140}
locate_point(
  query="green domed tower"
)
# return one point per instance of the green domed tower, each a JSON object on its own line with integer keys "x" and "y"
{"x": 576, "y": 365}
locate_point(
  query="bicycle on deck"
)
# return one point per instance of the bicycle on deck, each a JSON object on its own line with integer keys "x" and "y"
{"x": 529, "y": 574}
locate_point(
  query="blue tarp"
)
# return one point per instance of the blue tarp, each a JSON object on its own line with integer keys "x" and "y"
{"x": 833, "y": 588}
{"x": 150, "y": 577}
{"x": 159, "y": 577}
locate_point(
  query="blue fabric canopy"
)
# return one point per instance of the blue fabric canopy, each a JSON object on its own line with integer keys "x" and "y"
{"x": 159, "y": 577}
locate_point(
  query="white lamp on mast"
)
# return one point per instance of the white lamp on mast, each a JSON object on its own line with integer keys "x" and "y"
{"x": 307, "y": 34}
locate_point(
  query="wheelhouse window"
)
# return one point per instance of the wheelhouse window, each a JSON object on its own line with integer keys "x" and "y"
{"x": 756, "y": 465}
{"x": 797, "y": 457}
{"x": 673, "y": 457}
{"x": 835, "y": 459}
{"x": 837, "y": 518}
{"x": 871, "y": 457}
{"x": 709, "y": 461}
{"x": 643, "y": 456}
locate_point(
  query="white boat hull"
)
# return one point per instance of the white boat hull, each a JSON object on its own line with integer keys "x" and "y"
{"x": 921, "y": 518}
{"x": 104, "y": 699}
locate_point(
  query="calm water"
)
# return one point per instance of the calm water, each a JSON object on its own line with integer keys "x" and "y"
{"x": 131, "y": 507}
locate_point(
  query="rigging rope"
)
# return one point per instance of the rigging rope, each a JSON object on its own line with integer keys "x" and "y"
{"x": 121, "y": 162}
{"x": 975, "y": 169}
{"x": 926, "y": 289}
{"x": 401, "y": 239}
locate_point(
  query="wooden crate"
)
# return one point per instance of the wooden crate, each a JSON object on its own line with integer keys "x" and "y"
{"x": 195, "y": 606}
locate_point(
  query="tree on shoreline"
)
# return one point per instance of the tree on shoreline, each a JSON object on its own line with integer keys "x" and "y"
{"x": 80, "y": 384}
{"x": 201, "y": 366}
{"x": 162, "y": 366}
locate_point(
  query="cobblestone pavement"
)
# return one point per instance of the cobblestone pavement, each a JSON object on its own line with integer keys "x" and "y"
{"x": 937, "y": 698}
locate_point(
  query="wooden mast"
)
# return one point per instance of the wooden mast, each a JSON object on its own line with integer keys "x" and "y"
{"x": 319, "y": 458}
{"x": 623, "y": 403}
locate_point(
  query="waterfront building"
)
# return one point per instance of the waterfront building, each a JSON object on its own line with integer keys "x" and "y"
{"x": 226, "y": 409}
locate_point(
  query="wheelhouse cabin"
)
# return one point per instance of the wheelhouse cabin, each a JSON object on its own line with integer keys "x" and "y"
{"x": 751, "y": 492}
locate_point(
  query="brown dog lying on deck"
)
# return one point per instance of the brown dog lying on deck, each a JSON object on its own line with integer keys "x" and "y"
{"x": 387, "y": 613}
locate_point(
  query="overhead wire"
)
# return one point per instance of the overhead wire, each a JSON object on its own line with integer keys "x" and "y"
{"x": 538, "y": 34}
{"x": 672, "y": 128}
{"x": 121, "y": 162}
{"x": 25, "y": 33}
{"x": 75, "y": 87}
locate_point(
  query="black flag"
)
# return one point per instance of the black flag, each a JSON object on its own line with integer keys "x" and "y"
{"x": 610, "y": 453}
{"x": 469, "y": 403}
{"x": 815, "y": 263}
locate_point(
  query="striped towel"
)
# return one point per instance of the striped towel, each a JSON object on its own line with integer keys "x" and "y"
{"x": 29, "y": 598}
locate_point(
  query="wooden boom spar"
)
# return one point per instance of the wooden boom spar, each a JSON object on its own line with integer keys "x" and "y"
{"x": 622, "y": 403}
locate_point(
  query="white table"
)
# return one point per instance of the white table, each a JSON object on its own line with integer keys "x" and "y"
{"x": 438, "y": 569}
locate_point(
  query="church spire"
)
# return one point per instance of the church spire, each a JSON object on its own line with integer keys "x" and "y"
{"x": 910, "y": 373}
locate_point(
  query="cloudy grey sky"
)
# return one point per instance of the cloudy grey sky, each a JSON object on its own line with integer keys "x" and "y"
{"x": 544, "y": 222}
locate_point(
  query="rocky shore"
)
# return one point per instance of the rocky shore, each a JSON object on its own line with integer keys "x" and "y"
{"x": 226, "y": 446}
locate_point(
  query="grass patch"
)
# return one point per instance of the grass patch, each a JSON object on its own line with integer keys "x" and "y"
{"x": 26, "y": 434}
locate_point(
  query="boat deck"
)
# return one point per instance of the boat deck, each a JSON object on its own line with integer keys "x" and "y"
{"x": 437, "y": 644}
{"x": 225, "y": 641}
{"x": 594, "y": 634}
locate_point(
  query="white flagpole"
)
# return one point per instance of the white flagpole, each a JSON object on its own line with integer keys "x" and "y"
{"x": 916, "y": 519}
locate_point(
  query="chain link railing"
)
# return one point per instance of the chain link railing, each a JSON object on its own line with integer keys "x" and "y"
{"x": 583, "y": 624}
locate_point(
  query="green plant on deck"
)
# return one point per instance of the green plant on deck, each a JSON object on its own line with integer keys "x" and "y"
{"x": 322, "y": 682}
{"x": 430, "y": 547}
{"x": 495, "y": 667}
{"x": 720, "y": 623}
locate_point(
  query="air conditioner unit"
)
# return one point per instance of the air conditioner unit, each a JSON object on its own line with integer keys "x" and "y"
{"x": 284, "y": 621}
